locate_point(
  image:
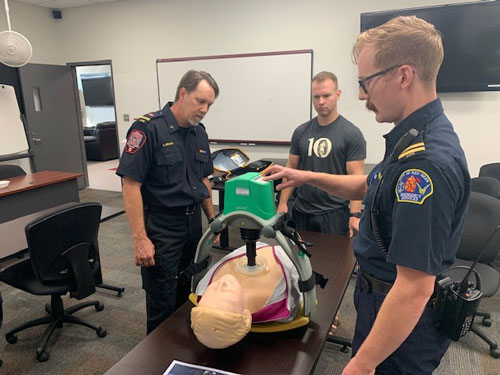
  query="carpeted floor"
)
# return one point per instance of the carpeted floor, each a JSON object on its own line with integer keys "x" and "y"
{"x": 77, "y": 350}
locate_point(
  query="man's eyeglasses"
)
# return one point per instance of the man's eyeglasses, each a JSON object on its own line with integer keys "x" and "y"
{"x": 362, "y": 81}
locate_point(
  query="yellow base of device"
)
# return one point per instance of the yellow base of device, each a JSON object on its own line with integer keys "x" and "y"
{"x": 299, "y": 321}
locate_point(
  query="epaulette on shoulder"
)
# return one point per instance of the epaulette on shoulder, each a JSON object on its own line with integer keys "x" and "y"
{"x": 412, "y": 150}
{"x": 149, "y": 116}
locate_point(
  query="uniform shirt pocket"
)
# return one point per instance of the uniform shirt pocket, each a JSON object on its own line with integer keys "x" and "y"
{"x": 202, "y": 165}
{"x": 169, "y": 166}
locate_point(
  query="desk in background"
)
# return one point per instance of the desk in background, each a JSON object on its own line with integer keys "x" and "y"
{"x": 290, "y": 352}
{"x": 36, "y": 192}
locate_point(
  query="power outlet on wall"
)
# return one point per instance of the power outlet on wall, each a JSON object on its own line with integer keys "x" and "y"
{"x": 126, "y": 117}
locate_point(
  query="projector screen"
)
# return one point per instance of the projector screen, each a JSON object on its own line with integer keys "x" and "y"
{"x": 263, "y": 96}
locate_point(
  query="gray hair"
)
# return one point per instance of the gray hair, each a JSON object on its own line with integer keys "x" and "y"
{"x": 192, "y": 78}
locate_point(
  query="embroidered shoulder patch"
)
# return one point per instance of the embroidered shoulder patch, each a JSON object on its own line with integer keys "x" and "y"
{"x": 135, "y": 141}
{"x": 414, "y": 186}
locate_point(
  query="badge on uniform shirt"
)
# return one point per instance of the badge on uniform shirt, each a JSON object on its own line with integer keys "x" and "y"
{"x": 135, "y": 141}
{"x": 414, "y": 186}
{"x": 375, "y": 176}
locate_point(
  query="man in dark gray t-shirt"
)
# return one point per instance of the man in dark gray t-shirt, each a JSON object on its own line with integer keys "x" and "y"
{"x": 328, "y": 143}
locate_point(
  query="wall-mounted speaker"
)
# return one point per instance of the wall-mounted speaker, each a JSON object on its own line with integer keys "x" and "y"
{"x": 57, "y": 14}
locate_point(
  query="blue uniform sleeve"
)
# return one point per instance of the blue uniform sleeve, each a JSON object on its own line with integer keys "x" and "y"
{"x": 138, "y": 153}
{"x": 426, "y": 199}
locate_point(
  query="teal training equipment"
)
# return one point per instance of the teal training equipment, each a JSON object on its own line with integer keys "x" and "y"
{"x": 250, "y": 206}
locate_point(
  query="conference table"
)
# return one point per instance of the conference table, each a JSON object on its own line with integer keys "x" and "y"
{"x": 36, "y": 192}
{"x": 291, "y": 352}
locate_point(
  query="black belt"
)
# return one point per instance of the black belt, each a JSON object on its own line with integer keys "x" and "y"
{"x": 334, "y": 210}
{"x": 176, "y": 211}
{"x": 370, "y": 284}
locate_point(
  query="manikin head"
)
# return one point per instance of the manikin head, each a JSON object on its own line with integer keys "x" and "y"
{"x": 220, "y": 319}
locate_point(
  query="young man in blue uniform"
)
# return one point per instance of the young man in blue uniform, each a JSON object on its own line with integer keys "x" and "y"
{"x": 328, "y": 143}
{"x": 165, "y": 168}
{"x": 415, "y": 201}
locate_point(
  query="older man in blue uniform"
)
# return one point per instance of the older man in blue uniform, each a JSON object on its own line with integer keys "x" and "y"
{"x": 415, "y": 201}
{"x": 165, "y": 168}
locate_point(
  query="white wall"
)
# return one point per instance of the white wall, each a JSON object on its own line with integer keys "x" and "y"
{"x": 134, "y": 33}
{"x": 36, "y": 24}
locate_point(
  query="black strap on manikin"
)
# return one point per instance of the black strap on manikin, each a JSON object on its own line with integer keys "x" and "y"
{"x": 288, "y": 228}
{"x": 289, "y": 231}
{"x": 402, "y": 144}
{"x": 194, "y": 269}
{"x": 315, "y": 279}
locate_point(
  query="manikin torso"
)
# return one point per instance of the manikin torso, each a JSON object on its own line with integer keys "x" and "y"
{"x": 257, "y": 288}
{"x": 271, "y": 294}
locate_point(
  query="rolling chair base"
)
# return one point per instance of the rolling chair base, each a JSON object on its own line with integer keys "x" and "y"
{"x": 346, "y": 343}
{"x": 55, "y": 320}
{"x": 486, "y": 318}
{"x": 117, "y": 289}
{"x": 494, "y": 352}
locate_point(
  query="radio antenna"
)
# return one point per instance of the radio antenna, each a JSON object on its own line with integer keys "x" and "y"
{"x": 465, "y": 281}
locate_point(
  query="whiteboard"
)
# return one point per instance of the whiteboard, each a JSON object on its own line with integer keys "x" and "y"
{"x": 14, "y": 136}
{"x": 263, "y": 96}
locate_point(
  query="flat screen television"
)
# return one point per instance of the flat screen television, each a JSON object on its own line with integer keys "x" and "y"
{"x": 98, "y": 91}
{"x": 471, "y": 40}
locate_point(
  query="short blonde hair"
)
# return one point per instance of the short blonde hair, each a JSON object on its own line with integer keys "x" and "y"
{"x": 405, "y": 40}
{"x": 218, "y": 329}
{"x": 323, "y": 76}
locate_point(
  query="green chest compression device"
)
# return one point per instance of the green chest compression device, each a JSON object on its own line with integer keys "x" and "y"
{"x": 250, "y": 206}
{"x": 249, "y": 193}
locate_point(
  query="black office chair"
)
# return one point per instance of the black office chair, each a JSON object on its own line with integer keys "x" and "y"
{"x": 10, "y": 170}
{"x": 63, "y": 258}
{"x": 1, "y": 319}
{"x": 103, "y": 143}
{"x": 486, "y": 185}
{"x": 490, "y": 170}
{"x": 482, "y": 219}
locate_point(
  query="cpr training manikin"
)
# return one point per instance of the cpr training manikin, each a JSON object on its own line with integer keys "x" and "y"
{"x": 232, "y": 296}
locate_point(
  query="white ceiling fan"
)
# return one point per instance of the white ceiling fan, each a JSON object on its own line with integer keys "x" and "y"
{"x": 15, "y": 49}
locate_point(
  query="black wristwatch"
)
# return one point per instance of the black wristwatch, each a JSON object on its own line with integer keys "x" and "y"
{"x": 355, "y": 214}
